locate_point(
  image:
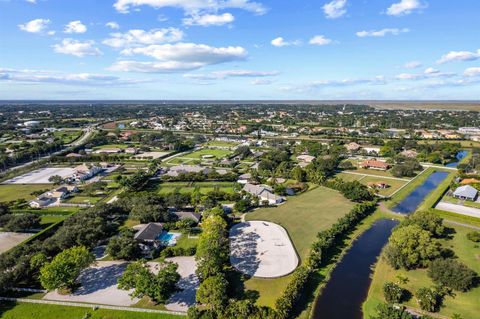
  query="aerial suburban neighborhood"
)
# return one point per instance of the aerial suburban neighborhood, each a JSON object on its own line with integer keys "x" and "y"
{"x": 239, "y": 159}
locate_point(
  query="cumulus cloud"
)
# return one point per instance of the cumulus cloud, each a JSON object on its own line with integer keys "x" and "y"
{"x": 320, "y": 40}
{"x": 471, "y": 72}
{"x": 77, "y": 48}
{"x": 206, "y": 20}
{"x": 335, "y": 9}
{"x": 412, "y": 65}
{"x": 35, "y": 26}
{"x": 382, "y": 32}
{"x": 230, "y": 73}
{"x": 428, "y": 73}
{"x": 75, "y": 27}
{"x": 405, "y": 7}
{"x": 112, "y": 25}
{"x": 261, "y": 82}
{"x": 178, "y": 57}
{"x": 195, "y": 6}
{"x": 43, "y": 76}
{"x": 280, "y": 42}
{"x": 459, "y": 56}
{"x": 134, "y": 38}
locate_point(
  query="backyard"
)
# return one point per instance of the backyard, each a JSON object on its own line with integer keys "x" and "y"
{"x": 14, "y": 192}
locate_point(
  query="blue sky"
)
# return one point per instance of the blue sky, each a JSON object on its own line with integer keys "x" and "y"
{"x": 239, "y": 49}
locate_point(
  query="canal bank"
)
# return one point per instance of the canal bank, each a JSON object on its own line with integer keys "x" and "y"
{"x": 348, "y": 285}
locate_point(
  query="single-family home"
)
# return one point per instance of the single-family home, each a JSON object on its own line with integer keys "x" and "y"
{"x": 244, "y": 178}
{"x": 181, "y": 215}
{"x": 264, "y": 193}
{"x": 84, "y": 171}
{"x": 174, "y": 171}
{"x": 305, "y": 158}
{"x": 468, "y": 181}
{"x": 379, "y": 185}
{"x": 374, "y": 164}
{"x": 409, "y": 153}
{"x": 352, "y": 147}
{"x": 466, "y": 192}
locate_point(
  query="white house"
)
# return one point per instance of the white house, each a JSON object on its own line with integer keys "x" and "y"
{"x": 305, "y": 158}
{"x": 264, "y": 193}
{"x": 84, "y": 171}
{"x": 466, "y": 192}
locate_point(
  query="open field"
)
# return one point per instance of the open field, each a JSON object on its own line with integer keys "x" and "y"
{"x": 462, "y": 303}
{"x": 68, "y": 137}
{"x": 216, "y": 153}
{"x": 425, "y": 105}
{"x": 394, "y": 184}
{"x": 41, "y": 176}
{"x": 303, "y": 216}
{"x": 11, "y": 310}
{"x": 188, "y": 187}
{"x": 17, "y": 191}
{"x": 262, "y": 249}
{"x": 222, "y": 143}
{"x": 112, "y": 146}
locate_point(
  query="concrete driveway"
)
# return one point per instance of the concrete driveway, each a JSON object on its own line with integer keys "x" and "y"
{"x": 459, "y": 209}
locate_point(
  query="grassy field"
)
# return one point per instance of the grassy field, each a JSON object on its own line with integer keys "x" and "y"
{"x": 364, "y": 179}
{"x": 466, "y": 304}
{"x": 303, "y": 217}
{"x": 217, "y": 153}
{"x": 39, "y": 311}
{"x": 68, "y": 137}
{"x": 112, "y": 146}
{"x": 187, "y": 187}
{"x": 222, "y": 144}
{"x": 18, "y": 191}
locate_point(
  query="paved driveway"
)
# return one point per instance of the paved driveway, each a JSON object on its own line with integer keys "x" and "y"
{"x": 459, "y": 209}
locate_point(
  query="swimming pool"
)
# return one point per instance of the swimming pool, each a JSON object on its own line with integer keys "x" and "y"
{"x": 168, "y": 239}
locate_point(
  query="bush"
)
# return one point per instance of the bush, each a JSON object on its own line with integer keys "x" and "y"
{"x": 474, "y": 236}
{"x": 124, "y": 246}
{"x": 429, "y": 299}
{"x": 393, "y": 293}
{"x": 386, "y": 311}
{"x": 427, "y": 221}
{"x": 292, "y": 292}
{"x": 452, "y": 274}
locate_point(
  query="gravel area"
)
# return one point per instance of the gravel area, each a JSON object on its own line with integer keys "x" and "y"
{"x": 9, "y": 240}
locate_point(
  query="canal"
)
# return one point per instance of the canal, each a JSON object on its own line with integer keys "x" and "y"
{"x": 348, "y": 286}
{"x": 410, "y": 203}
{"x": 460, "y": 155}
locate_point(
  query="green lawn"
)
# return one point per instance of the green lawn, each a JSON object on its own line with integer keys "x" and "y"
{"x": 39, "y": 311}
{"x": 303, "y": 216}
{"x": 19, "y": 191}
{"x": 186, "y": 187}
{"x": 222, "y": 144}
{"x": 394, "y": 184}
{"x": 67, "y": 137}
{"x": 466, "y": 304}
{"x": 113, "y": 146}
{"x": 217, "y": 153}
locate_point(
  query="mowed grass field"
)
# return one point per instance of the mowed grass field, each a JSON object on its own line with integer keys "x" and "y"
{"x": 10, "y": 310}
{"x": 394, "y": 184}
{"x": 216, "y": 153}
{"x": 13, "y": 192}
{"x": 467, "y": 304}
{"x": 303, "y": 217}
{"x": 187, "y": 187}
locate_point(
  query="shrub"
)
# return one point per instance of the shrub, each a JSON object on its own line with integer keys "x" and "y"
{"x": 393, "y": 293}
{"x": 474, "y": 236}
{"x": 429, "y": 299}
{"x": 386, "y": 311}
{"x": 427, "y": 221}
{"x": 292, "y": 292}
{"x": 452, "y": 273}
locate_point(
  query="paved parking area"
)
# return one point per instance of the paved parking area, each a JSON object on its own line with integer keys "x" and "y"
{"x": 262, "y": 249}
{"x": 41, "y": 176}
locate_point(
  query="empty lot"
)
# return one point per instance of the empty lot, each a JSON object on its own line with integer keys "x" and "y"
{"x": 10, "y": 240}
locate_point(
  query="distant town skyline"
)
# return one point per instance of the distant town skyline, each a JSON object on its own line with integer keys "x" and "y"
{"x": 240, "y": 49}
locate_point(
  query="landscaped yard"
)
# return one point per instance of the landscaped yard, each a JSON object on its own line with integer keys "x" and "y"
{"x": 216, "y": 153}
{"x": 187, "y": 187}
{"x": 394, "y": 184}
{"x": 466, "y": 304}
{"x": 13, "y": 192}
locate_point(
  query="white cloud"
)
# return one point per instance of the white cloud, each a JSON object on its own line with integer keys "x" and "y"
{"x": 44, "y": 76}
{"x": 32, "y": 1}
{"x": 77, "y": 48}
{"x": 470, "y": 72}
{"x": 178, "y": 57}
{"x": 335, "y": 9}
{"x": 459, "y": 56}
{"x": 405, "y": 7}
{"x": 230, "y": 73}
{"x": 112, "y": 25}
{"x": 133, "y": 38}
{"x": 209, "y": 19}
{"x": 412, "y": 64}
{"x": 428, "y": 73}
{"x": 261, "y": 82}
{"x": 382, "y": 32}
{"x": 75, "y": 27}
{"x": 192, "y": 6}
{"x": 280, "y": 42}
{"x": 320, "y": 40}
{"x": 35, "y": 26}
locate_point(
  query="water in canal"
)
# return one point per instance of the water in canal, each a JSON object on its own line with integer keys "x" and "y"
{"x": 410, "y": 203}
{"x": 460, "y": 155}
{"x": 347, "y": 289}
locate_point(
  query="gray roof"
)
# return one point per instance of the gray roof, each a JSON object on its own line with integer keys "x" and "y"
{"x": 256, "y": 189}
{"x": 466, "y": 191}
{"x": 149, "y": 232}
{"x": 188, "y": 215}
